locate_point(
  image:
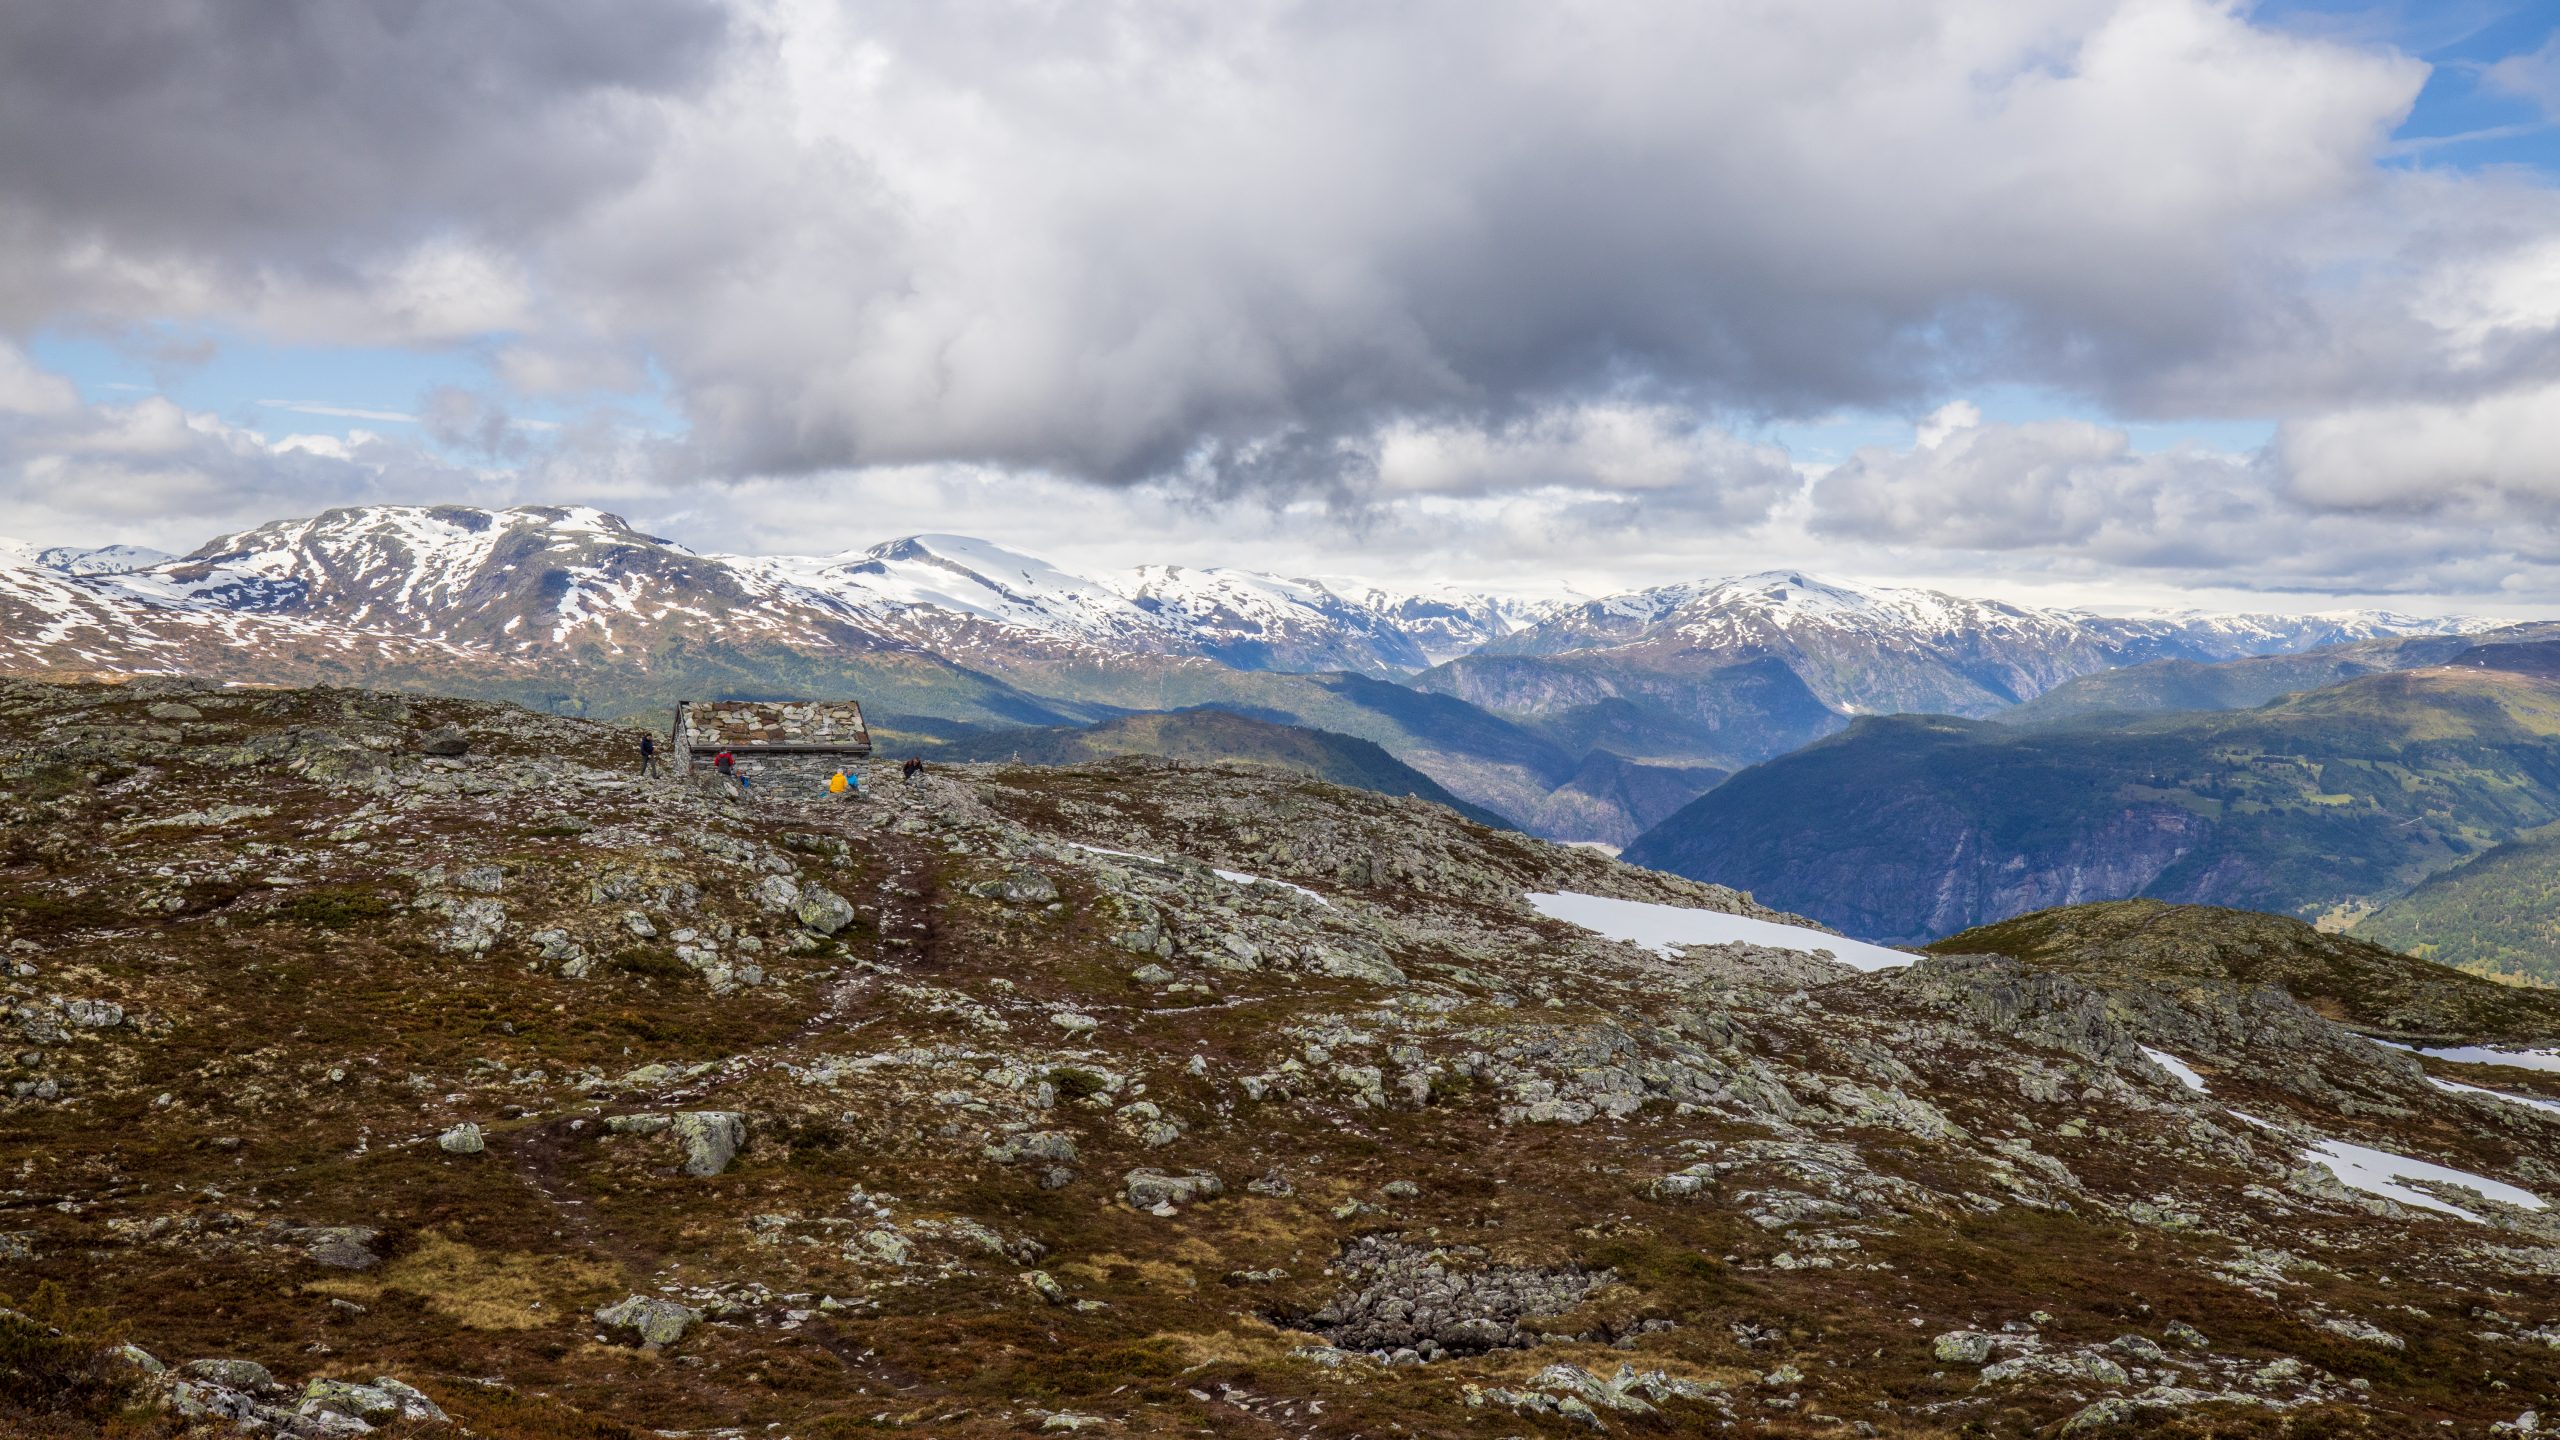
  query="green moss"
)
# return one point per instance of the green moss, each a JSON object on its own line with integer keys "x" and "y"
{"x": 335, "y": 907}
{"x": 650, "y": 964}
{"x": 1074, "y": 1084}
{"x": 48, "y": 910}
{"x": 58, "y": 1361}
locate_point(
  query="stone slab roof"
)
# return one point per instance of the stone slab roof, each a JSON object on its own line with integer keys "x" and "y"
{"x": 747, "y": 725}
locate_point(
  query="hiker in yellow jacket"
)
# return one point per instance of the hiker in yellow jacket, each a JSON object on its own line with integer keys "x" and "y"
{"x": 843, "y": 786}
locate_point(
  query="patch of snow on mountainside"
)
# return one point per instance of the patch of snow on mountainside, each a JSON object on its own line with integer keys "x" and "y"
{"x": 1443, "y": 624}
{"x": 1243, "y": 615}
{"x": 413, "y": 564}
{"x": 2262, "y": 634}
{"x": 51, "y": 619}
{"x": 1791, "y": 602}
{"x": 1665, "y": 928}
{"x": 1802, "y": 608}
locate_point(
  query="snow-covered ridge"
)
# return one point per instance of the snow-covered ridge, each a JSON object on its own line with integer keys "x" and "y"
{"x": 1795, "y": 604}
{"x": 104, "y": 560}
{"x": 546, "y": 575}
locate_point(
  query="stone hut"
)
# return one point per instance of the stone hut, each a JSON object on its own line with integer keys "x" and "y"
{"x": 789, "y": 737}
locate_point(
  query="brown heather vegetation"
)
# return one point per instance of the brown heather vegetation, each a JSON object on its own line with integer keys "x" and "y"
{"x": 274, "y": 893}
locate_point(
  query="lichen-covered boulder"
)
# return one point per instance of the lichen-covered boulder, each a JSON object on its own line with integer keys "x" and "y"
{"x": 244, "y": 1375}
{"x": 710, "y": 1139}
{"x": 1156, "y": 1190}
{"x": 822, "y": 910}
{"x": 1021, "y": 885}
{"x": 1135, "y": 924}
{"x": 379, "y": 1403}
{"x": 647, "y": 1321}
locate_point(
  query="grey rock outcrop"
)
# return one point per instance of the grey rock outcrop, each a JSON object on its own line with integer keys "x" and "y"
{"x": 1162, "y": 1192}
{"x": 1407, "y": 1297}
{"x": 445, "y": 740}
{"x": 822, "y": 910}
{"x": 647, "y": 1321}
{"x": 710, "y": 1139}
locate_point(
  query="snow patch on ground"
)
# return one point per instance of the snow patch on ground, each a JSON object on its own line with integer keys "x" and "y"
{"x": 1238, "y": 877}
{"x": 1664, "y": 928}
{"x": 2484, "y": 1055}
{"x": 2185, "y": 1073}
{"x": 2379, "y": 1172}
{"x": 1232, "y": 877}
{"x": 2458, "y": 1088}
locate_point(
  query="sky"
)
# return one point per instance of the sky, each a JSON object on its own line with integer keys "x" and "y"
{"x": 2106, "y": 302}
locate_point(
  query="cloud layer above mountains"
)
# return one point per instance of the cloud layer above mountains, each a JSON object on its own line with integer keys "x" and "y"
{"x": 1444, "y": 279}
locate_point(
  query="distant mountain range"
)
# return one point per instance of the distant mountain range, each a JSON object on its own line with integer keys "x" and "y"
{"x": 2322, "y": 803}
{"x": 1579, "y": 718}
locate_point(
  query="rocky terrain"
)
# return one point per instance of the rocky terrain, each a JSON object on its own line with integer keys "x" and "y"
{"x": 411, "y": 1066}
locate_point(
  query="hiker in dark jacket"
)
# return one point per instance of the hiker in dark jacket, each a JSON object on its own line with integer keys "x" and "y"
{"x": 648, "y": 755}
{"x": 912, "y": 769}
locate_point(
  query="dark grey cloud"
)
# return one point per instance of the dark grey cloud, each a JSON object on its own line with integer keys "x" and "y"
{"x": 168, "y": 152}
{"x": 1112, "y": 243}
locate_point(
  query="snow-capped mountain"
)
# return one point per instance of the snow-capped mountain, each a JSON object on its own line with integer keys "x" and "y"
{"x": 104, "y": 560}
{"x": 952, "y": 591}
{"x": 1266, "y": 622}
{"x": 537, "y": 579}
{"x": 1864, "y": 649}
{"x": 541, "y": 578}
{"x": 967, "y": 597}
{"x": 569, "y": 607}
{"x": 55, "y": 619}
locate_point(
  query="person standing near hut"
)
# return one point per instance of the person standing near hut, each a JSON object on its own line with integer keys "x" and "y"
{"x": 648, "y": 757}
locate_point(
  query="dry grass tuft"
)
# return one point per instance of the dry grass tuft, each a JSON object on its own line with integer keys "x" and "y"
{"x": 480, "y": 1290}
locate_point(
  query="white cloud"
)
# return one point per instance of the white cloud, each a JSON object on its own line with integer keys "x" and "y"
{"x": 152, "y": 472}
{"x": 2489, "y": 458}
{"x": 1946, "y": 420}
{"x": 26, "y": 389}
{"x": 2534, "y": 76}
